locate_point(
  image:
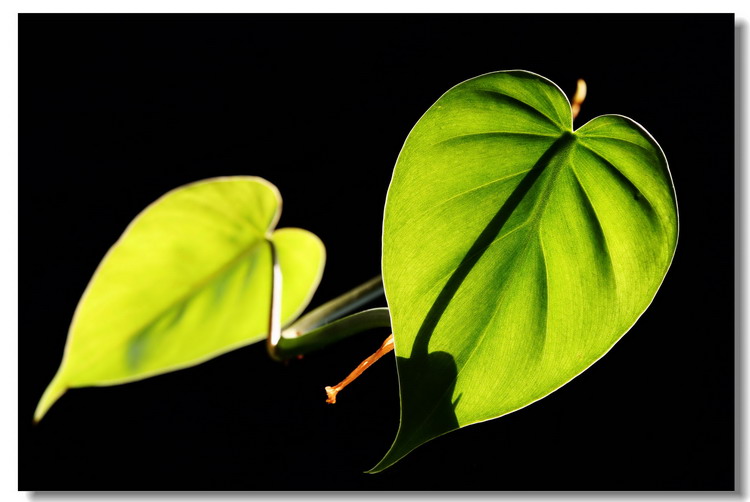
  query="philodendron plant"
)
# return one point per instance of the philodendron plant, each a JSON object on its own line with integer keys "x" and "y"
{"x": 516, "y": 252}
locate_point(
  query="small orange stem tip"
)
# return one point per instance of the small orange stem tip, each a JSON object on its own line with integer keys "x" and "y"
{"x": 331, "y": 392}
{"x": 578, "y": 97}
{"x": 384, "y": 349}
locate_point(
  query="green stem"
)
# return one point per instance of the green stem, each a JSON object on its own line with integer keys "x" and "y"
{"x": 337, "y": 308}
{"x": 333, "y": 332}
{"x": 325, "y": 325}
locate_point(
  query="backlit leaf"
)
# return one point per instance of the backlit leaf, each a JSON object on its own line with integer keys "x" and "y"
{"x": 189, "y": 279}
{"x": 516, "y": 251}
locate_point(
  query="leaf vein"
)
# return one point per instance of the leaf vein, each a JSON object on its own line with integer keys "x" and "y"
{"x": 479, "y": 187}
{"x": 622, "y": 140}
{"x": 610, "y": 165}
{"x": 586, "y": 199}
{"x": 523, "y": 105}
{"x": 197, "y": 288}
{"x": 478, "y": 135}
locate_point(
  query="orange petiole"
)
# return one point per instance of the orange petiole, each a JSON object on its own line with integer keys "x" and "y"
{"x": 384, "y": 349}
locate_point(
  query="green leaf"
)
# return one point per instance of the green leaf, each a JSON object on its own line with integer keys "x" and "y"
{"x": 189, "y": 279}
{"x": 516, "y": 252}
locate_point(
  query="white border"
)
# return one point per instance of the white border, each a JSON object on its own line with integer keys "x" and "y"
{"x": 370, "y": 6}
{"x": 9, "y": 192}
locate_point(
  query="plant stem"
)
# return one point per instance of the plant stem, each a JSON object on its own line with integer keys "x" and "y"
{"x": 291, "y": 346}
{"x": 325, "y": 325}
{"x": 336, "y": 308}
{"x": 578, "y": 97}
{"x": 332, "y": 392}
{"x": 274, "y": 320}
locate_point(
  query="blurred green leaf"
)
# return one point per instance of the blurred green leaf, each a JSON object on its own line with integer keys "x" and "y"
{"x": 516, "y": 252}
{"x": 189, "y": 279}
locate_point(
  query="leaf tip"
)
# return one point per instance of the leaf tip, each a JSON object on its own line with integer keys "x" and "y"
{"x": 374, "y": 470}
{"x": 54, "y": 391}
{"x": 384, "y": 464}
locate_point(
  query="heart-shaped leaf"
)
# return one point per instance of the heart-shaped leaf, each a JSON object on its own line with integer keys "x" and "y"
{"x": 516, "y": 251}
{"x": 189, "y": 279}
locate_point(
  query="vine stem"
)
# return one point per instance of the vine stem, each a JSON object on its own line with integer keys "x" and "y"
{"x": 336, "y": 308}
{"x": 335, "y": 331}
{"x": 274, "y": 315}
{"x": 329, "y": 322}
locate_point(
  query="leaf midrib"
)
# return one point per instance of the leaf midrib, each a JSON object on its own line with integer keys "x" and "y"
{"x": 198, "y": 287}
{"x": 534, "y": 220}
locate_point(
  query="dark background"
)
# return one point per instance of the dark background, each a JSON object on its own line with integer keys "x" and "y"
{"x": 116, "y": 110}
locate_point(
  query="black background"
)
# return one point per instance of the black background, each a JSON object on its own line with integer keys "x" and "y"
{"x": 116, "y": 110}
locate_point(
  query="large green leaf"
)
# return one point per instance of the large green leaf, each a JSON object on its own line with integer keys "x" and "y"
{"x": 516, "y": 251}
{"x": 189, "y": 279}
